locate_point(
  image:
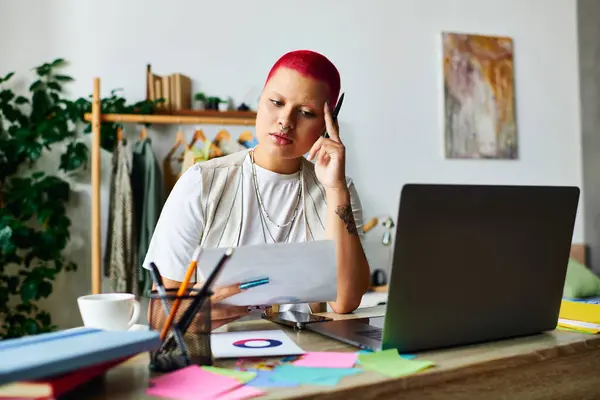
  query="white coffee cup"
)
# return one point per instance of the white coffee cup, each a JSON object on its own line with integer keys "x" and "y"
{"x": 109, "y": 311}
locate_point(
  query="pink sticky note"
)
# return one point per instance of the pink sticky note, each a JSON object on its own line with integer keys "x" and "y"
{"x": 192, "y": 383}
{"x": 241, "y": 393}
{"x": 327, "y": 359}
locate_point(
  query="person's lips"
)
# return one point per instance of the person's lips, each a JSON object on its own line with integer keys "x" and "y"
{"x": 281, "y": 138}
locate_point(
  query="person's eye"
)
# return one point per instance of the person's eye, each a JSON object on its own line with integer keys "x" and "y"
{"x": 277, "y": 102}
{"x": 307, "y": 114}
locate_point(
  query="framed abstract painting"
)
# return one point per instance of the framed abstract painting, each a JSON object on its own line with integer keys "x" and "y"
{"x": 479, "y": 97}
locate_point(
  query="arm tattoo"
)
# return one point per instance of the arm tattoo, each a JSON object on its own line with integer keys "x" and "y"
{"x": 345, "y": 213}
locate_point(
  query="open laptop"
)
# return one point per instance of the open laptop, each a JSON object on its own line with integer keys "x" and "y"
{"x": 472, "y": 263}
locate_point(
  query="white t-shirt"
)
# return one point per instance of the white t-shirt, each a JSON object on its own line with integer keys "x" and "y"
{"x": 180, "y": 224}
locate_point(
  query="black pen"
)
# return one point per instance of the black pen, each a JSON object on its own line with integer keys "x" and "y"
{"x": 336, "y": 112}
{"x": 160, "y": 288}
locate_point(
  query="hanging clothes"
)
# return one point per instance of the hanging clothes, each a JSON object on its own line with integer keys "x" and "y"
{"x": 227, "y": 144}
{"x": 171, "y": 174}
{"x": 192, "y": 155}
{"x": 148, "y": 195}
{"x": 121, "y": 254}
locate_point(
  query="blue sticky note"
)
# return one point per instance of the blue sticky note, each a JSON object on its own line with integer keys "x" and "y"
{"x": 312, "y": 376}
{"x": 324, "y": 382}
{"x": 265, "y": 379}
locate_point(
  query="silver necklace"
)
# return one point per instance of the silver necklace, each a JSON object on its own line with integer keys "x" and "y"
{"x": 266, "y": 230}
{"x": 261, "y": 205}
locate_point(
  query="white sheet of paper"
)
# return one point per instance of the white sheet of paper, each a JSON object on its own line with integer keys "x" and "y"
{"x": 298, "y": 272}
{"x": 253, "y": 344}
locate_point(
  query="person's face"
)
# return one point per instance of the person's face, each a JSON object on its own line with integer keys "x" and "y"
{"x": 290, "y": 100}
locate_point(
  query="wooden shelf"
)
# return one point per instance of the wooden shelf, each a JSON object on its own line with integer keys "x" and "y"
{"x": 211, "y": 117}
{"x": 209, "y": 113}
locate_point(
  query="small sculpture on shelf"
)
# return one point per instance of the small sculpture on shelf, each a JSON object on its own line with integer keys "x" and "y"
{"x": 243, "y": 107}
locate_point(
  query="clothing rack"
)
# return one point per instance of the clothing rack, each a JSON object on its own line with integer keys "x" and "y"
{"x": 96, "y": 118}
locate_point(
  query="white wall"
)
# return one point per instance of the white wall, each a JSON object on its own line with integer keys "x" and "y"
{"x": 389, "y": 55}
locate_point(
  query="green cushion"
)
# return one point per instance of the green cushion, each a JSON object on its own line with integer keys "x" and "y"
{"x": 581, "y": 281}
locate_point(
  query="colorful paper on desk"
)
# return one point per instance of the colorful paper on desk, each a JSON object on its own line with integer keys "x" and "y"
{"x": 298, "y": 272}
{"x": 242, "y": 376}
{"x": 253, "y": 344}
{"x": 241, "y": 393}
{"x": 192, "y": 383}
{"x": 267, "y": 379}
{"x": 312, "y": 376}
{"x": 327, "y": 359}
{"x": 367, "y": 351}
{"x": 390, "y": 363}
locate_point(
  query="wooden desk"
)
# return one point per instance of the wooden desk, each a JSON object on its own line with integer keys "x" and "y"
{"x": 557, "y": 364}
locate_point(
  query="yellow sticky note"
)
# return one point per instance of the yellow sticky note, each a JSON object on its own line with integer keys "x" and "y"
{"x": 242, "y": 376}
{"x": 388, "y": 362}
{"x": 579, "y": 311}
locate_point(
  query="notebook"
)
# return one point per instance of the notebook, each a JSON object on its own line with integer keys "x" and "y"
{"x": 55, "y": 386}
{"x": 49, "y": 354}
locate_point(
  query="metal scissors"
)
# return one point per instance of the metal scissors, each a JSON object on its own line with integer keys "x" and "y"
{"x": 336, "y": 111}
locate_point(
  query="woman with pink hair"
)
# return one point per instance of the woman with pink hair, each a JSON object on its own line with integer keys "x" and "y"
{"x": 272, "y": 193}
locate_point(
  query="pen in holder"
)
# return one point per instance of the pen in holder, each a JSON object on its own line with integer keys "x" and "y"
{"x": 195, "y": 339}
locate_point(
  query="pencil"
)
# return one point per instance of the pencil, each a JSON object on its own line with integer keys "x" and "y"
{"x": 182, "y": 289}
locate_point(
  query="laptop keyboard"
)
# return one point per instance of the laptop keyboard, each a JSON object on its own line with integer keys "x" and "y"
{"x": 372, "y": 333}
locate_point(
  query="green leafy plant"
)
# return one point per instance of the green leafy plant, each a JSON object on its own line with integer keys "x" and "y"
{"x": 118, "y": 105}
{"x": 34, "y": 227}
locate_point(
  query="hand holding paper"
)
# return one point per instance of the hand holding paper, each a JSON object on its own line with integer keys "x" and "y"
{"x": 221, "y": 313}
{"x": 297, "y": 273}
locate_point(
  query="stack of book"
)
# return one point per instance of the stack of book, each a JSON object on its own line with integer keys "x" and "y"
{"x": 580, "y": 315}
{"x": 175, "y": 89}
{"x": 48, "y": 365}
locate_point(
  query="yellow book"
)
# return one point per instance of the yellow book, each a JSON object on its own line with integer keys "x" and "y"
{"x": 578, "y": 311}
{"x": 579, "y": 326}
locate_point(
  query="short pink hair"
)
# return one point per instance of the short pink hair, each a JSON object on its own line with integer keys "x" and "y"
{"x": 314, "y": 65}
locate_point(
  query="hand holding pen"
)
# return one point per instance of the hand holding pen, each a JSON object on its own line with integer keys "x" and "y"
{"x": 222, "y": 314}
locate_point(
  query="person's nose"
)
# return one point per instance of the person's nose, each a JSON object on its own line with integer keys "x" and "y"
{"x": 286, "y": 120}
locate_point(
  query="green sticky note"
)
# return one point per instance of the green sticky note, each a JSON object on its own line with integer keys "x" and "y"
{"x": 242, "y": 376}
{"x": 390, "y": 363}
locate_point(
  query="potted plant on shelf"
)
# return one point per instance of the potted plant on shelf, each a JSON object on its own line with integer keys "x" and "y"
{"x": 212, "y": 103}
{"x": 224, "y": 104}
{"x": 200, "y": 101}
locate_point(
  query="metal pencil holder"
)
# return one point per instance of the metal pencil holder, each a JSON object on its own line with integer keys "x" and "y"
{"x": 193, "y": 345}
